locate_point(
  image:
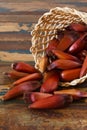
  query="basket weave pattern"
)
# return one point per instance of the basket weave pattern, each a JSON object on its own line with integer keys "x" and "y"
{"x": 46, "y": 28}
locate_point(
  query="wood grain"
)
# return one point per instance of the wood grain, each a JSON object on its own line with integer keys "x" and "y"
{"x": 17, "y": 20}
{"x": 23, "y": 119}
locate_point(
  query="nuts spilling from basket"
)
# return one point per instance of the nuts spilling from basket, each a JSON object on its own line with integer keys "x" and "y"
{"x": 68, "y": 53}
{"x": 65, "y": 60}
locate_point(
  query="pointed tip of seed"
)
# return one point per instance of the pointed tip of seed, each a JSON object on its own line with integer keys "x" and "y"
{"x": 42, "y": 90}
{"x": 13, "y": 65}
{"x": 30, "y": 106}
{"x": 5, "y": 73}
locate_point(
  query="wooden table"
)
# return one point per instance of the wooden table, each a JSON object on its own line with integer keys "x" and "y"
{"x": 17, "y": 19}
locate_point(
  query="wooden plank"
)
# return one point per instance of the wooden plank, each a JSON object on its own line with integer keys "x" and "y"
{"x": 15, "y": 42}
{"x": 4, "y": 79}
{"x": 14, "y": 37}
{"x": 24, "y": 6}
{"x": 12, "y": 12}
{"x": 36, "y": 5}
{"x": 13, "y": 57}
{"x": 15, "y": 45}
{"x": 17, "y": 116}
{"x": 19, "y": 18}
{"x": 19, "y": 27}
{"x": 36, "y": 12}
{"x": 20, "y": 1}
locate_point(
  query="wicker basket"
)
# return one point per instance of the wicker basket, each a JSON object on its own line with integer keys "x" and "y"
{"x": 45, "y": 30}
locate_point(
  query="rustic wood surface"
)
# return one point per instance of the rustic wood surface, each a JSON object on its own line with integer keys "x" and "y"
{"x": 17, "y": 19}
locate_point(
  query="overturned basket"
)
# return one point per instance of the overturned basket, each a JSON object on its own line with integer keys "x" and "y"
{"x": 46, "y": 28}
